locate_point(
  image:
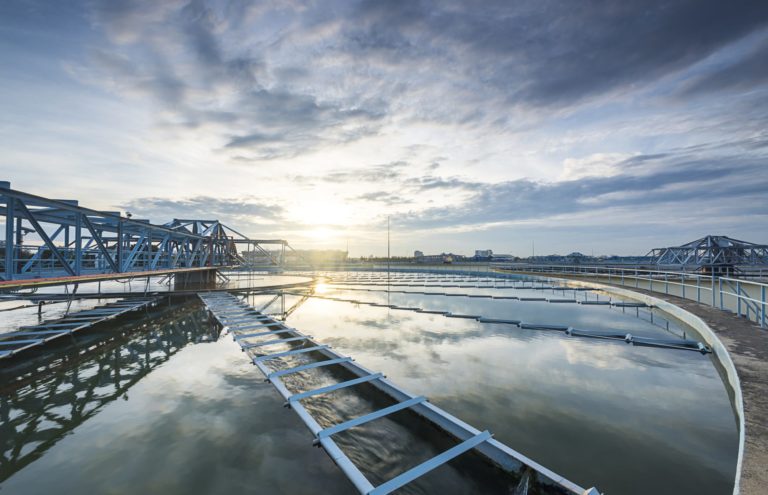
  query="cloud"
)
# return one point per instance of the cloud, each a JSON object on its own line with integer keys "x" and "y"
{"x": 666, "y": 179}
{"x": 749, "y": 72}
{"x": 546, "y": 53}
{"x": 430, "y": 182}
{"x": 453, "y": 115}
{"x": 286, "y": 80}
{"x": 230, "y": 211}
{"x": 383, "y": 197}
{"x": 392, "y": 172}
{"x": 180, "y": 54}
{"x": 598, "y": 164}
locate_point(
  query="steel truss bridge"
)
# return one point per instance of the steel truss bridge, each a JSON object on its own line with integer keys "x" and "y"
{"x": 714, "y": 253}
{"x": 70, "y": 241}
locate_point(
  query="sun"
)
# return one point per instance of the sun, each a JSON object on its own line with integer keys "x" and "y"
{"x": 322, "y": 213}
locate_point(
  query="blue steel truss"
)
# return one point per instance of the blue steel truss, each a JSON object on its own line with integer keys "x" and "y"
{"x": 66, "y": 239}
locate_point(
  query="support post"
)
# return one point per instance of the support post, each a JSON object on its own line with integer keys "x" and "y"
{"x": 720, "y": 290}
{"x": 78, "y": 244}
{"x": 762, "y": 302}
{"x": 698, "y": 289}
{"x": 10, "y": 262}
{"x": 119, "y": 253}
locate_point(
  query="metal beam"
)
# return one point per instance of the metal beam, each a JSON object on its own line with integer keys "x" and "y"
{"x": 44, "y": 236}
{"x": 97, "y": 239}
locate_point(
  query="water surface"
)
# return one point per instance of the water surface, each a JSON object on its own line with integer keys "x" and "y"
{"x": 165, "y": 404}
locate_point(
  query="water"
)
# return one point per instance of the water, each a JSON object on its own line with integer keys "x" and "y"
{"x": 164, "y": 410}
{"x": 199, "y": 419}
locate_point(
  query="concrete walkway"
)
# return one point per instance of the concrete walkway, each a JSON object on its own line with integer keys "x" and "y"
{"x": 747, "y": 344}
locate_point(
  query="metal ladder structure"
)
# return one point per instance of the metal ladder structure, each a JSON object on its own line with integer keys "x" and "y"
{"x": 34, "y": 336}
{"x": 246, "y": 323}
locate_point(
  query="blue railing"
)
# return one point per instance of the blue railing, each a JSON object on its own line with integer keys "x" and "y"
{"x": 745, "y": 298}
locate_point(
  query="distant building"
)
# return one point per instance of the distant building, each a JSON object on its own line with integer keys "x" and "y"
{"x": 576, "y": 258}
{"x": 483, "y": 253}
{"x": 442, "y": 258}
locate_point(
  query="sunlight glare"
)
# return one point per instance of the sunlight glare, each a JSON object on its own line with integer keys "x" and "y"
{"x": 322, "y": 212}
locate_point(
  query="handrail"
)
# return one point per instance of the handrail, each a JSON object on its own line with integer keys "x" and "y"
{"x": 736, "y": 300}
{"x": 744, "y": 281}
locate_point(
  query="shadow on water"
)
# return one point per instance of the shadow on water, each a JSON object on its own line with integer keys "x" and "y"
{"x": 45, "y": 397}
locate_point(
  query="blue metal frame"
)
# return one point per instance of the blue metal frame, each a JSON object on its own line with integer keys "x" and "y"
{"x": 69, "y": 240}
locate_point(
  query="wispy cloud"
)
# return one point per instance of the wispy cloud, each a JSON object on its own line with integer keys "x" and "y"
{"x": 448, "y": 115}
{"x": 233, "y": 211}
{"x": 664, "y": 181}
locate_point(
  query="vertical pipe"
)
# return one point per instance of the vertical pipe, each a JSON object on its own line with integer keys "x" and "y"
{"x": 738, "y": 299}
{"x": 10, "y": 265}
{"x": 714, "y": 301}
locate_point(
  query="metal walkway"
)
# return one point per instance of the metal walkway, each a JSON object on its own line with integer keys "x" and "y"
{"x": 246, "y": 323}
{"x": 34, "y": 336}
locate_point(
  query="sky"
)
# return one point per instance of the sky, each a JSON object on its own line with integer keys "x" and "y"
{"x": 600, "y": 127}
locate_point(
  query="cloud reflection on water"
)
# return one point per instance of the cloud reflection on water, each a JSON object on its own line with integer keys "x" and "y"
{"x": 597, "y": 412}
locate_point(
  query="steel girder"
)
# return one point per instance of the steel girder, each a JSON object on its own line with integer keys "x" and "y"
{"x": 69, "y": 240}
{"x": 712, "y": 251}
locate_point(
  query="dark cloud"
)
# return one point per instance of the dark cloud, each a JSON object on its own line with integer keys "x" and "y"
{"x": 551, "y": 52}
{"x": 747, "y": 73}
{"x": 676, "y": 180}
{"x": 279, "y": 80}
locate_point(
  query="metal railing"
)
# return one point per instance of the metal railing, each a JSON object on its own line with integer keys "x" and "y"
{"x": 745, "y": 298}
